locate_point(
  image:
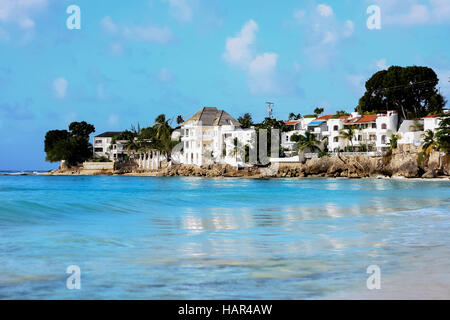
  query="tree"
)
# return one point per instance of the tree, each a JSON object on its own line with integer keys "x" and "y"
{"x": 307, "y": 142}
{"x": 180, "y": 120}
{"x": 393, "y": 141}
{"x": 163, "y": 140}
{"x": 416, "y": 126}
{"x": 246, "y": 121}
{"x": 318, "y": 111}
{"x": 72, "y": 146}
{"x": 411, "y": 91}
{"x": 429, "y": 142}
{"x": 293, "y": 116}
{"x": 443, "y": 135}
{"x": 347, "y": 134}
{"x": 342, "y": 113}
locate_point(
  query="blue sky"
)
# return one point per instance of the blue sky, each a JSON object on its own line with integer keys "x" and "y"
{"x": 131, "y": 61}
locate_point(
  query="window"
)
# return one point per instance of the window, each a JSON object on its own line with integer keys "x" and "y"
{"x": 374, "y": 125}
{"x": 336, "y": 128}
{"x": 287, "y": 138}
{"x": 98, "y": 149}
{"x": 384, "y": 126}
{"x": 383, "y": 139}
{"x": 98, "y": 141}
{"x": 359, "y": 137}
{"x": 336, "y": 139}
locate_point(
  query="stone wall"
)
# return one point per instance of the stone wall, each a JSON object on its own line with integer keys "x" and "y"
{"x": 98, "y": 165}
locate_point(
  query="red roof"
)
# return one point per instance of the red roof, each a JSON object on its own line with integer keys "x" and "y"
{"x": 363, "y": 119}
{"x": 429, "y": 117}
{"x": 326, "y": 117}
{"x": 292, "y": 122}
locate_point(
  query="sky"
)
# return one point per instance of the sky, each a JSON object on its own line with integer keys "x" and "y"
{"x": 133, "y": 60}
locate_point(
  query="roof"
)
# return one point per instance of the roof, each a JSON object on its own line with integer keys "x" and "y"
{"x": 108, "y": 134}
{"x": 213, "y": 117}
{"x": 292, "y": 122}
{"x": 432, "y": 116}
{"x": 363, "y": 119}
{"x": 326, "y": 117}
{"x": 315, "y": 123}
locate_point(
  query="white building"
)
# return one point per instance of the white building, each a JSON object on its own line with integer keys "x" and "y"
{"x": 213, "y": 136}
{"x": 409, "y": 133}
{"x": 102, "y": 145}
{"x": 431, "y": 123}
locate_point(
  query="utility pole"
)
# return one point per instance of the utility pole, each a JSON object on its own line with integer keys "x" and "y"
{"x": 270, "y": 108}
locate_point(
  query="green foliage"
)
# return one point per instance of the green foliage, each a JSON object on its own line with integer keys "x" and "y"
{"x": 101, "y": 159}
{"x": 293, "y": 116}
{"x": 393, "y": 141}
{"x": 417, "y": 126}
{"x": 308, "y": 142}
{"x": 347, "y": 134}
{"x": 443, "y": 135}
{"x": 310, "y": 116}
{"x": 411, "y": 91}
{"x": 126, "y": 135}
{"x": 246, "y": 121}
{"x": 72, "y": 146}
{"x": 318, "y": 111}
{"x": 180, "y": 120}
{"x": 342, "y": 113}
{"x": 429, "y": 142}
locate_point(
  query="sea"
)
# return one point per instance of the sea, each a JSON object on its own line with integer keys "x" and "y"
{"x": 117, "y": 237}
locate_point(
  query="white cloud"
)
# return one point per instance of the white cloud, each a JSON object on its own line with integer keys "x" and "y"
{"x": 324, "y": 33}
{"x": 324, "y": 10}
{"x": 238, "y": 49}
{"x": 108, "y": 25}
{"x": 263, "y": 76}
{"x": 60, "y": 87}
{"x": 164, "y": 76}
{"x": 180, "y": 10}
{"x": 381, "y": 64}
{"x": 413, "y": 12}
{"x": 21, "y": 12}
{"x": 150, "y": 34}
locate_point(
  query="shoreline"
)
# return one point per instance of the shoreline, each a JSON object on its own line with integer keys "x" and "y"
{"x": 256, "y": 177}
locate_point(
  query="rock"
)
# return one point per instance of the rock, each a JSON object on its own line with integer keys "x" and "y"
{"x": 430, "y": 174}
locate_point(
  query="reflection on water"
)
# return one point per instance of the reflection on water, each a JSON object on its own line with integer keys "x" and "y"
{"x": 198, "y": 238}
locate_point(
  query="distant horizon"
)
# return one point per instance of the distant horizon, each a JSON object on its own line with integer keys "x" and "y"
{"x": 129, "y": 63}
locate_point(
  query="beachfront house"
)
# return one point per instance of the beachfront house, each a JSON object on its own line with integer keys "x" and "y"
{"x": 431, "y": 123}
{"x": 213, "y": 136}
{"x": 102, "y": 146}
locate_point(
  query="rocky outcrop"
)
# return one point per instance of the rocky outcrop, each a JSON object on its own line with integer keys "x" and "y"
{"x": 403, "y": 162}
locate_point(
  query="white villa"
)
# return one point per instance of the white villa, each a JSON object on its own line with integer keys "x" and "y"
{"x": 212, "y": 136}
{"x": 102, "y": 145}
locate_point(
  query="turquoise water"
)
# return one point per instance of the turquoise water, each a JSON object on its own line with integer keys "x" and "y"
{"x": 194, "y": 238}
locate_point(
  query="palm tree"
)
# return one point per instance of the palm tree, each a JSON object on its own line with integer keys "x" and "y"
{"x": 164, "y": 141}
{"x": 347, "y": 134}
{"x": 318, "y": 111}
{"x": 429, "y": 142}
{"x": 308, "y": 142}
{"x": 393, "y": 141}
